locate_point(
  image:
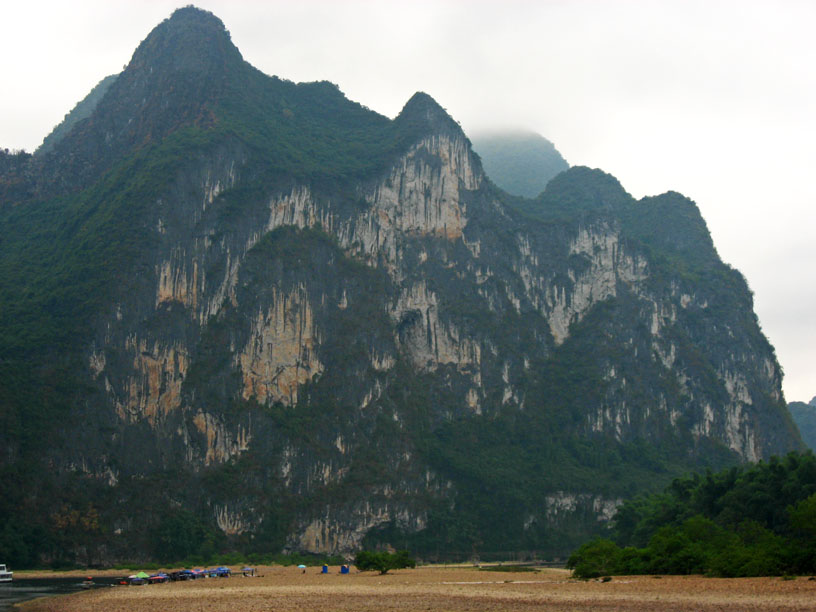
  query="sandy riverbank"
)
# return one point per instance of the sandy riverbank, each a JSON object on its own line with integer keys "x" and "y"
{"x": 81, "y": 574}
{"x": 289, "y": 590}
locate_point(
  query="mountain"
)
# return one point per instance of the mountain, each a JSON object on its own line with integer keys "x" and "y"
{"x": 804, "y": 415}
{"x": 239, "y": 313}
{"x": 521, "y": 163}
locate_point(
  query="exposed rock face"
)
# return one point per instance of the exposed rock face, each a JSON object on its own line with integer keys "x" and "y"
{"x": 221, "y": 443}
{"x": 154, "y": 386}
{"x": 280, "y": 355}
{"x": 608, "y": 266}
{"x": 428, "y": 340}
{"x": 422, "y": 193}
{"x": 344, "y": 534}
{"x": 561, "y": 503}
{"x": 397, "y": 351}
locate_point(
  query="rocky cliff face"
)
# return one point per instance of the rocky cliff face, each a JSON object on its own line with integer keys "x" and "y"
{"x": 398, "y": 353}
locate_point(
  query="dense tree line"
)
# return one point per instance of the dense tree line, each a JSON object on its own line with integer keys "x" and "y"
{"x": 745, "y": 521}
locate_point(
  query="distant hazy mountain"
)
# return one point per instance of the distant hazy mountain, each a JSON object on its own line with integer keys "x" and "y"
{"x": 521, "y": 163}
{"x": 804, "y": 415}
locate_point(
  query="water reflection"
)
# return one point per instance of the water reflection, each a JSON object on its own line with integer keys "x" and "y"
{"x": 24, "y": 589}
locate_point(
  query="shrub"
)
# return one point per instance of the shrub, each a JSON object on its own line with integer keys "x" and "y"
{"x": 595, "y": 559}
{"x": 383, "y": 561}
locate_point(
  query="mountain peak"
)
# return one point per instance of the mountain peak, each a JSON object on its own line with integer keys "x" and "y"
{"x": 423, "y": 111}
{"x": 190, "y": 40}
{"x": 192, "y": 13}
{"x": 421, "y": 100}
{"x": 176, "y": 77}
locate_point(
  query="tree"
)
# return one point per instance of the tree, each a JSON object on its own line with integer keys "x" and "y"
{"x": 803, "y": 516}
{"x": 597, "y": 558}
{"x": 383, "y": 561}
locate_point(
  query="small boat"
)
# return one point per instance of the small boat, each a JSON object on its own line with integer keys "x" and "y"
{"x": 5, "y": 574}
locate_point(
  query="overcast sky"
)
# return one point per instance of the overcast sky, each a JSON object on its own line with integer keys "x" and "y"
{"x": 714, "y": 99}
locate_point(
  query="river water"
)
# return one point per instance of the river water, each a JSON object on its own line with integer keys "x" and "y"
{"x": 24, "y": 589}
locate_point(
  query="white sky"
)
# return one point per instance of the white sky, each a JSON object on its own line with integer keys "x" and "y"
{"x": 715, "y": 99}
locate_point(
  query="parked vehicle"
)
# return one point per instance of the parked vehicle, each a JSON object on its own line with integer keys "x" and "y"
{"x": 5, "y": 574}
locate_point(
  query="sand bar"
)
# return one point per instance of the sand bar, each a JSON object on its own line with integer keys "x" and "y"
{"x": 452, "y": 589}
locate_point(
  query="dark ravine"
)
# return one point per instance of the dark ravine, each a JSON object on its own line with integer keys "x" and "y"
{"x": 242, "y": 313}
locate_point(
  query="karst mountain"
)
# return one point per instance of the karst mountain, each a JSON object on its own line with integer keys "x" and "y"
{"x": 240, "y": 313}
